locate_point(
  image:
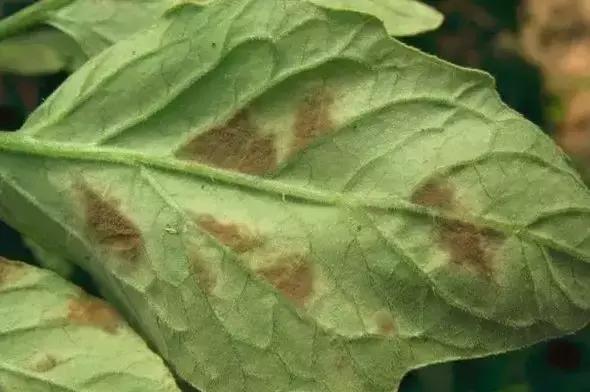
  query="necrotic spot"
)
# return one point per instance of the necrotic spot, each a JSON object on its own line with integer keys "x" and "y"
{"x": 435, "y": 194}
{"x": 468, "y": 244}
{"x": 109, "y": 226}
{"x": 236, "y": 145}
{"x": 236, "y": 237}
{"x": 205, "y": 278}
{"x": 292, "y": 276}
{"x": 313, "y": 118}
{"x": 93, "y": 312}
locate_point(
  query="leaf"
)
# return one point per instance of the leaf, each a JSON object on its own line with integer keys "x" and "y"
{"x": 50, "y": 260}
{"x": 72, "y": 31}
{"x": 54, "y": 337}
{"x": 283, "y": 197}
{"x": 51, "y": 50}
{"x": 401, "y": 17}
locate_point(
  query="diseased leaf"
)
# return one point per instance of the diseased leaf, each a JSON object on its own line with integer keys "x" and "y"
{"x": 401, "y": 17}
{"x": 73, "y": 31}
{"x": 284, "y": 198}
{"x": 54, "y": 337}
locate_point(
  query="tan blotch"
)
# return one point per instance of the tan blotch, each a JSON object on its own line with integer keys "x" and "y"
{"x": 469, "y": 245}
{"x": 236, "y": 145}
{"x": 93, "y": 312}
{"x": 384, "y": 322}
{"x": 292, "y": 276}
{"x": 313, "y": 118}
{"x": 203, "y": 274}
{"x": 435, "y": 194}
{"x": 113, "y": 230}
{"x": 234, "y": 236}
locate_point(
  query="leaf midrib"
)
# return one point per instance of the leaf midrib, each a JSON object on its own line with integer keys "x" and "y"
{"x": 29, "y": 146}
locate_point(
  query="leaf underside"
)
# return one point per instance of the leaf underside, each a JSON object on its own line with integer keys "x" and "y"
{"x": 284, "y": 198}
{"x": 56, "y": 338}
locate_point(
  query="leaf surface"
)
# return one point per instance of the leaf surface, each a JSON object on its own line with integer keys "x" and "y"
{"x": 285, "y": 198}
{"x": 56, "y": 338}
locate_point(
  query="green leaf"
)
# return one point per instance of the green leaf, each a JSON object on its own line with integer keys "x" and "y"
{"x": 54, "y": 337}
{"x": 401, "y": 17}
{"x": 40, "y": 52}
{"x": 283, "y": 197}
{"x": 72, "y": 31}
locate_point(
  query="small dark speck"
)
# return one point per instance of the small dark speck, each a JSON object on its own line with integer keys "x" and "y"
{"x": 202, "y": 186}
{"x": 359, "y": 228}
{"x": 213, "y": 45}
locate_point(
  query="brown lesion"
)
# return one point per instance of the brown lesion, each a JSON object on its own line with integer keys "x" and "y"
{"x": 236, "y": 145}
{"x": 206, "y": 279}
{"x": 236, "y": 237}
{"x": 469, "y": 245}
{"x": 436, "y": 194}
{"x": 313, "y": 118}
{"x": 292, "y": 276}
{"x": 94, "y": 312}
{"x": 109, "y": 226}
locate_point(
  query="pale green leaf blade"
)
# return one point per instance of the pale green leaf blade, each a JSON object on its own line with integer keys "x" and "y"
{"x": 40, "y": 52}
{"x": 56, "y": 338}
{"x": 82, "y": 29}
{"x": 401, "y": 17}
{"x": 285, "y": 198}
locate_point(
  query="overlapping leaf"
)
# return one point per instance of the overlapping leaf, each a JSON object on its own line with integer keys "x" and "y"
{"x": 79, "y": 29}
{"x": 53, "y": 337}
{"x": 71, "y": 32}
{"x": 285, "y": 198}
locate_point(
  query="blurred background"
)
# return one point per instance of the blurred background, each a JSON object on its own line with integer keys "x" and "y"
{"x": 539, "y": 53}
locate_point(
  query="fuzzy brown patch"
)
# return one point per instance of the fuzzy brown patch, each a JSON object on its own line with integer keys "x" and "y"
{"x": 113, "y": 230}
{"x": 292, "y": 276}
{"x": 236, "y": 237}
{"x": 313, "y": 118}
{"x": 385, "y": 323}
{"x": 10, "y": 270}
{"x": 236, "y": 145}
{"x": 86, "y": 310}
{"x": 469, "y": 245}
{"x": 435, "y": 194}
{"x": 204, "y": 276}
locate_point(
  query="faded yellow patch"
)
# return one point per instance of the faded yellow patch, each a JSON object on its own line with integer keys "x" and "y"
{"x": 236, "y": 145}
{"x": 94, "y": 312}
{"x": 109, "y": 226}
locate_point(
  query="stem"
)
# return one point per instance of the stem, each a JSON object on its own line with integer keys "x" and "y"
{"x": 28, "y": 17}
